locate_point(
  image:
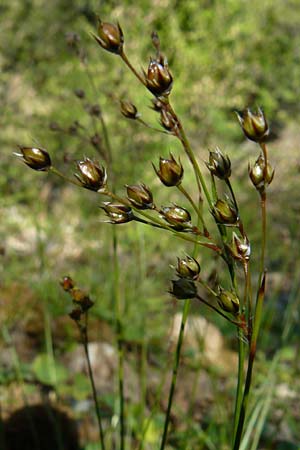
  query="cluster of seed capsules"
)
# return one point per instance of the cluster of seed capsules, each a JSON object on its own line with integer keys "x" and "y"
{"x": 119, "y": 210}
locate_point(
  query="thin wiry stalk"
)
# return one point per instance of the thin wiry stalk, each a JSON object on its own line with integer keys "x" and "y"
{"x": 84, "y": 338}
{"x": 252, "y": 353}
{"x": 263, "y": 203}
{"x": 116, "y": 301}
{"x": 232, "y": 194}
{"x": 154, "y": 408}
{"x": 241, "y": 360}
{"x": 207, "y": 287}
{"x": 187, "y": 147}
{"x": 146, "y": 222}
{"x": 185, "y": 313}
{"x": 196, "y": 208}
{"x": 119, "y": 335}
{"x": 147, "y": 125}
{"x": 241, "y": 378}
{"x": 102, "y": 121}
{"x": 214, "y": 188}
{"x": 64, "y": 177}
{"x": 130, "y": 66}
{"x": 234, "y": 322}
{"x": 256, "y": 321}
{"x": 264, "y": 234}
{"x": 143, "y": 351}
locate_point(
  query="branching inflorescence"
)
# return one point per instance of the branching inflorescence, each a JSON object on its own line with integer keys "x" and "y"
{"x": 228, "y": 240}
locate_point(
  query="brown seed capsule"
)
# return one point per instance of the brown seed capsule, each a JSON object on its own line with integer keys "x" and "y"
{"x": 167, "y": 121}
{"x": 77, "y": 295}
{"x": 110, "y": 37}
{"x": 183, "y": 289}
{"x": 219, "y": 164}
{"x": 170, "y": 171}
{"x": 67, "y": 283}
{"x": 225, "y": 212}
{"x": 254, "y": 125}
{"x": 261, "y": 176}
{"x": 81, "y": 299}
{"x": 188, "y": 267}
{"x": 80, "y": 93}
{"x": 158, "y": 78}
{"x": 96, "y": 141}
{"x": 75, "y": 314}
{"x": 176, "y": 216}
{"x": 36, "y": 158}
{"x": 91, "y": 175}
{"x": 118, "y": 213}
{"x": 240, "y": 248}
{"x": 95, "y": 110}
{"x": 129, "y": 110}
{"x": 157, "y": 104}
{"x": 228, "y": 301}
{"x": 140, "y": 196}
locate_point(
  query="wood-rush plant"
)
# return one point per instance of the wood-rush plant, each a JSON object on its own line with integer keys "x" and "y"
{"x": 240, "y": 305}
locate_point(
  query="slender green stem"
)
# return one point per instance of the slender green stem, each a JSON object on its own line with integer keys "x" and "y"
{"x": 234, "y": 322}
{"x": 49, "y": 343}
{"x": 155, "y": 406}
{"x": 130, "y": 66}
{"x": 243, "y": 408}
{"x": 146, "y": 222}
{"x": 119, "y": 336}
{"x": 251, "y": 358}
{"x": 241, "y": 377}
{"x": 241, "y": 353}
{"x": 256, "y": 327}
{"x": 263, "y": 201}
{"x": 185, "y": 313}
{"x": 64, "y": 177}
{"x": 232, "y": 194}
{"x": 102, "y": 121}
{"x": 187, "y": 147}
{"x": 196, "y": 208}
{"x": 223, "y": 233}
{"x": 84, "y": 338}
{"x": 147, "y": 125}
{"x": 143, "y": 350}
{"x": 247, "y": 298}
{"x": 214, "y": 188}
{"x": 265, "y": 153}
{"x": 207, "y": 287}
{"x": 186, "y": 309}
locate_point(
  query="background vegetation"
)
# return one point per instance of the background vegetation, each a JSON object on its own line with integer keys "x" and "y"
{"x": 224, "y": 56}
